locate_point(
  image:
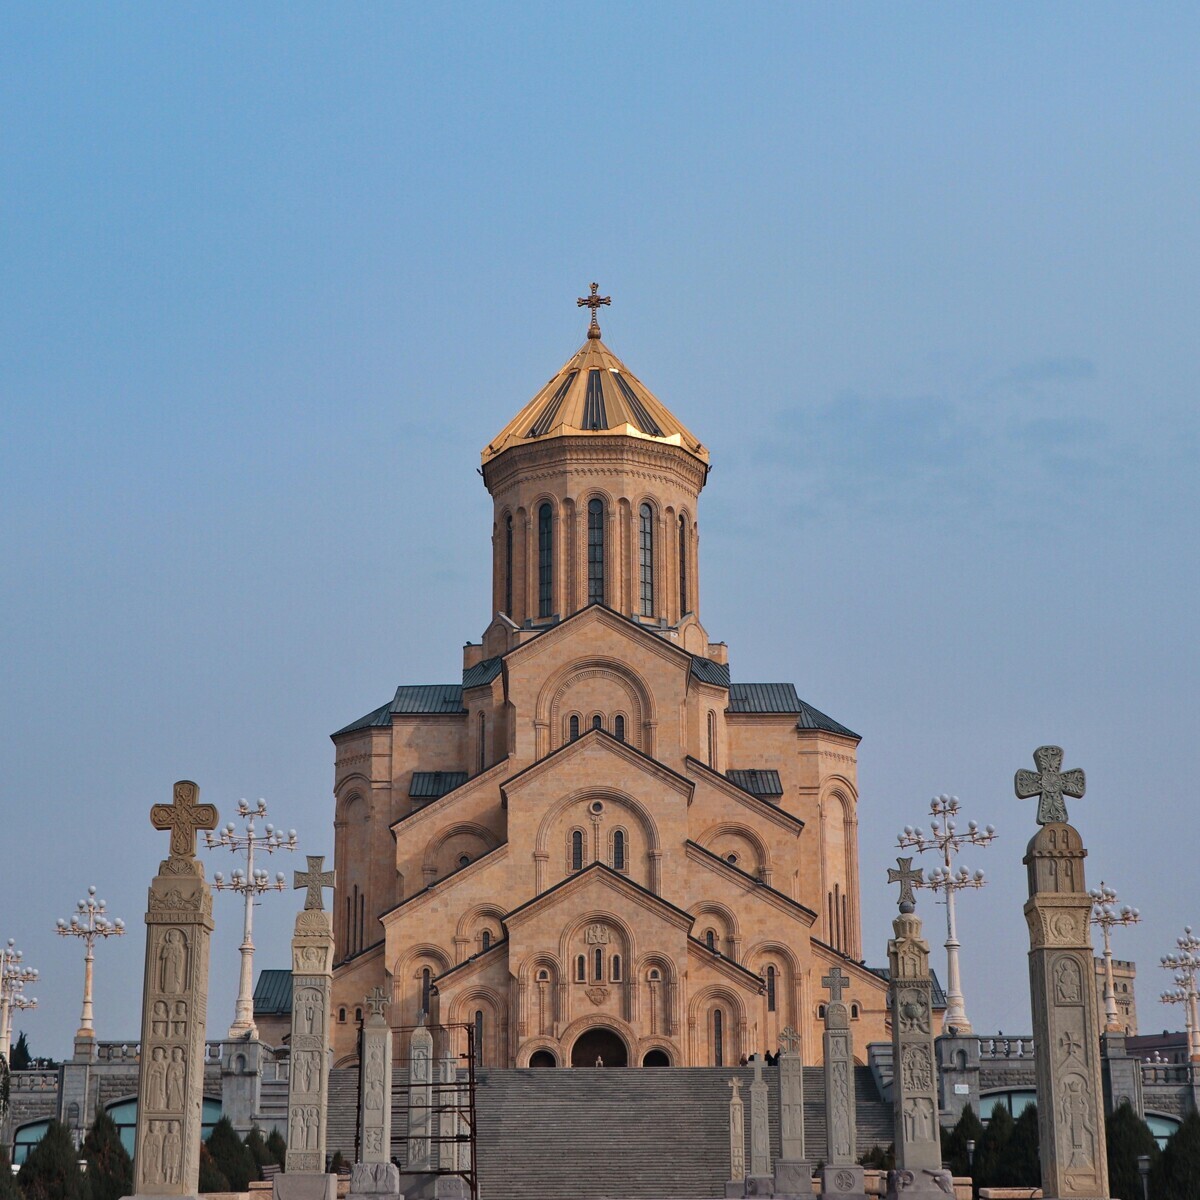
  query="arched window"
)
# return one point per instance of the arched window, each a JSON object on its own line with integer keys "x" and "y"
{"x": 618, "y": 847}
{"x": 655, "y": 974}
{"x": 821, "y": 1012}
{"x": 545, "y": 561}
{"x": 543, "y": 976}
{"x": 574, "y": 728}
{"x": 599, "y": 965}
{"x": 577, "y": 850}
{"x": 342, "y": 1016}
{"x": 479, "y": 1056}
{"x": 508, "y": 565}
{"x": 486, "y": 940}
{"x": 712, "y": 740}
{"x": 619, "y": 728}
{"x": 616, "y": 968}
{"x": 581, "y": 969}
{"x": 718, "y": 1038}
{"x": 595, "y": 546}
{"x": 597, "y": 721}
{"x": 358, "y": 1015}
{"x": 710, "y": 939}
{"x": 683, "y": 556}
{"x": 770, "y": 989}
{"x": 854, "y": 1012}
{"x": 426, "y": 988}
{"x": 646, "y": 558}
{"x": 482, "y": 741}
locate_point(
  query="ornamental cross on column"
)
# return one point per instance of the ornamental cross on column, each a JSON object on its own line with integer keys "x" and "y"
{"x": 376, "y": 1001}
{"x": 1050, "y": 783}
{"x": 593, "y": 302}
{"x": 835, "y": 981}
{"x": 906, "y": 877}
{"x": 184, "y": 818}
{"x": 314, "y": 879}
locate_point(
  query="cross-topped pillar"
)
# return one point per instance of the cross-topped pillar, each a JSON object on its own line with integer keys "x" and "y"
{"x": 793, "y": 1175}
{"x": 315, "y": 880}
{"x": 374, "y": 1174}
{"x": 184, "y": 817}
{"x": 842, "y": 1177}
{"x": 1050, "y": 783}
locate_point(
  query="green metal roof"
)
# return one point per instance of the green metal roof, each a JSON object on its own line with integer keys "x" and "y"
{"x": 782, "y": 698}
{"x": 410, "y": 699}
{"x": 481, "y": 673}
{"x": 707, "y": 671}
{"x": 757, "y": 782}
{"x": 429, "y": 785}
{"x": 273, "y": 993}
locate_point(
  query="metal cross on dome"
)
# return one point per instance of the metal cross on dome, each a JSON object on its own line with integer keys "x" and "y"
{"x": 184, "y": 818}
{"x": 314, "y": 879}
{"x": 1049, "y": 783}
{"x": 593, "y": 302}
{"x": 836, "y": 981}
{"x": 906, "y": 877}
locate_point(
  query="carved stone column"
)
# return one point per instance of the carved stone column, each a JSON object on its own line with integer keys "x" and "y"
{"x": 759, "y": 1181}
{"x": 793, "y": 1173}
{"x": 374, "y": 1174}
{"x": 842, "y": 1177}
{"x": 174, "y": 1003}
{"x": 737, "y": 1141}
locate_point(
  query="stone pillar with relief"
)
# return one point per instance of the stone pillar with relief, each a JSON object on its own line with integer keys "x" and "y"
{"x": 375, "y": 1174}
{"x": 1066, "y": 1021}
{"x": 793, "y": 1173}
{"x": 759, "y": 1181}
{"x": 918, "y": 1170}
{"x": 736, "y": 1186}
{"x": 305, "y": 1177}
{"x": 841, "y": 1177}
{"x": 174, "y": 1005}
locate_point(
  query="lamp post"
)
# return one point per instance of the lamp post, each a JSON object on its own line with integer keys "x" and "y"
{"x": 89, "y": 921}
{"x": 1106, "y": 914}
{"x": 1185, "y": 964}
{"x": 947, "y": 841}
{"x": 1143, "y": 1162}
{"x": 250, "y": 883}
{"x": 13, "y": 978}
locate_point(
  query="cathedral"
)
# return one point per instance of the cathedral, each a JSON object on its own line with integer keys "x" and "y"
{"x": 599, "y": 847}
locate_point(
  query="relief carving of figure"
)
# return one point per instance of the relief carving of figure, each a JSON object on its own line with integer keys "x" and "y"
{"x": 160, "y": 1019}
{"x": 312, "y": 1126}
{"x": 153, "y": 1151}
{"x": 917, "y": 1069}
{"x": 172, "y": 1148}
{"x": 173, "y": 963}
{"x": 175, "y": 1074}
{"x": 374, "y": 1099}
{"x": 179, "y": 1019}
{"x": 597, "y": 935}
{"x": 1075, "y": 1115}
{"x": 918, "y": 1119}
{"x": 420, "y": 1065}
{"x": 309, "y": 1012}
{"x": 156, "y": 1080}
{"x": 1068, "y": 988}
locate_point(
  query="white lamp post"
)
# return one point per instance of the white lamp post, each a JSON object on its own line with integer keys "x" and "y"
{"x": 1106, "y": 914}
{"x": 250, "y": 883}
{"x": 89, "y": 922}
{"x": 1186, "y": 964}
{"x": 13, "y": 978}
{"x": 947, "y": 841}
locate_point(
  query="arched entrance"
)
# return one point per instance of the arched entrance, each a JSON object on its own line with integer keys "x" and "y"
{"x": 543, "y": 1058}
{"x": 656, "y": 1058}
{"x": 599, "y": 1047}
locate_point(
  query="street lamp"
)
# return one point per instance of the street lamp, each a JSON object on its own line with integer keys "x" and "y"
{"x": 947, "y": 841}
{"x": 250, "y": 883}
{"x": 13, "y": 978}
{"x": 1185, "y": 964}
{"x": 1106, "y": 914}
{"x": 1143, "y": 1162}
{"x": 89, "y": 921}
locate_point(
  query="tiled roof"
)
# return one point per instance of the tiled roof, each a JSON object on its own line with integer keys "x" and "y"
{"x": 481, "y": 673}
{"x": 937, "y": 997}
{"x": 273, "y": 993}
{"x": 757, "y": 782}
{"x": 428, "y": 785}
{"x": 707, "y": 671}
{"x": 781, "y": 698}
{"x": 421, "y": 698}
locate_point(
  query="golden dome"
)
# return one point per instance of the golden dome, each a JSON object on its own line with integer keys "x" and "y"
{"x": 594, "y": 394}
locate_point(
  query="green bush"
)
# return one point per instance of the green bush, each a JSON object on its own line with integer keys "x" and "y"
{"x": 879, "y": 1159}
{"x": 8, "y": 1183}
{"x": 989, "y": 1154}
{"x": 231, "y": 1155}
{"x": 109, "y": 1167}
{"x": 1128, "y": 1136}
{"x": 260, "y": 1151}
{"x": 51, "y": 1172}
{"x": 211, "y": 1179}
{"x": 1021, "y": 1165}
{"x": 277, "y": 1146}
{"x": 954, "y": 1141}
{"x": 1175, "y": 1174}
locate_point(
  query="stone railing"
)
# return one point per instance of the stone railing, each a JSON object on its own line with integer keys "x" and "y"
{"x": 33, "y": 1081}
{"x": 1005, "y": 1047}
{"x": 1165, "y": 1072}
{"x": 275, "y": 1070}
{"x": 118, "y": 1052}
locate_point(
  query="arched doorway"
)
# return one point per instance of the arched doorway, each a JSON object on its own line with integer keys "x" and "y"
{"x": 656, "y": 1058}
{"x": 599, "y": 1047}
{"x": 543, "y": 1058}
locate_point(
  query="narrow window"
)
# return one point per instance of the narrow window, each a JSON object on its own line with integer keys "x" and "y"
{"x": 710, "y": 939}
{"x": 618, "y": 860}
{"x": 619, "y": 728}
{"x": 349, "y": 926}
{"x": 358, "y": 1015}
{"x": 597, "y": 721}
{"x": 718, "y": 1038}
{"x": 362, "y": 920}
{"x": 508, "y": 565}
{"x": 821, "y": 1011}
{"x": 770, "y": 989}
{"x": 712, "y": 740}
{"x": 486, "y": 940}
{"x": 577, "y": 850}
{"x": 854, "y": 1012}
{"x": 574, "y": 728}
{"x": 581, "y": 969}
{"x": 482, "y": 742}
{"x": 543, "y": 976}
{"x": 426, "y": 988}
{"x": 595, "y": 551}
{"x": 599, "y": 969}
{"x": 341, "y": 1016}
{"x": 479, "y": 1056}
{"x": 616, "y": 968}
{"x": 646, "y": 554}
{"x": 545, "y": 560}
{"x": 683, "y": 552}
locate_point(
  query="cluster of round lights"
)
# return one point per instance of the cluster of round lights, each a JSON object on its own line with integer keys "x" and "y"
{"x": 90, "y": 916}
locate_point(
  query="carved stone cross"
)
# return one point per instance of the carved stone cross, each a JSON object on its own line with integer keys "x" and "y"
{"x": 377, "y": 1000}
{"x": 184, "y": 818}
{"x": 314, "y": 879}
{"x": 789, "y": 1041}
{"x": 593, "y": 302}
{"x": 906, "y": 877}
{"x": 1049, "y": 783}
{"x": 836, "y": 982}
{"x": 736, "y": 1084}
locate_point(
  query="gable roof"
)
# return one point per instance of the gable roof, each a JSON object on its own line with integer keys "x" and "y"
{"x": 273, "y": 993}
{"x": 782, "y": 698}
{"x": 757, "y": 782}
{"x": 481, "y": 672}
{"x": 429, "y": 785}
{"x": 607, "y": 875}
{"x": 432, "y": 699}
{"x": 707, "y": 671}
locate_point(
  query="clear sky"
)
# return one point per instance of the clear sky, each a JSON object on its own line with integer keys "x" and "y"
{"x": 923, "y": 277}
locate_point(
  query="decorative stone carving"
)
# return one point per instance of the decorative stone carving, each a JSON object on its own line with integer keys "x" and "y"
{"x": 842, "y": 1177}
{"x": 420, "y": 1098}
{"x": 759, "y": 1181}
{"x": 175, "y": 992}
{"x": 1050, "y": 783}
{"x": 374, "y": 1174}
{"x": 793, "y": 1176}
{"x": 737, "y": 1138}
{"x": 597, "y": 995}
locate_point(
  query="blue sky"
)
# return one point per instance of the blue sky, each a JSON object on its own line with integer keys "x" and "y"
{"x": 922, "y": 277}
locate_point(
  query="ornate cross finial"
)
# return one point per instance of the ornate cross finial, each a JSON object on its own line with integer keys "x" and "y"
{"x": 906, "y": 877}
{"x": 593, "y": 302}
{"x": 184, "y": 818}
{"x": 1050, "y": 783}
{"x": 736, "y": 1084}
{"x": 789, "y": 1040}
{"x": 377, "y": 1000}
{"x": 835, "y": 981}
{"x": 314, "y": 879}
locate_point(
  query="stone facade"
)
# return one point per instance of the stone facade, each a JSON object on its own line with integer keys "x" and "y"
{"x": 596, "y": 844}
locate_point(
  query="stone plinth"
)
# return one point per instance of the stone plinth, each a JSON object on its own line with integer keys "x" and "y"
{"x": 174, "y": 1003}
{"x": 308, "y": 1185}
{"x": 845, "y": 1181}
{"x": 374, "y": 1179}
{"x": 1066, "y": 1024}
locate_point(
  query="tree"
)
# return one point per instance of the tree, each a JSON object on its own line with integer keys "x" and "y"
{"x": 109, "y": 1167}
{"x": 1174, "y": 1176}
{"x": 211, "y": 1179}
{"x": 231, "y": 1156}
{"x": 989, "y": 1154}
{"x": 338, "y": 1165}
{"x": 8, "y": 1183}
{"x": 21, "y": 1059}
{"x": 51, "y": 1172}
{"x": 968, "y": 1128}
{"x": 1128, "y": 1136}
{"x": 259, "y": 1149}
{"x": 277, "y": 1146}
{"x": 879, "y": 1159}
{"x": 1021, "y": 1165}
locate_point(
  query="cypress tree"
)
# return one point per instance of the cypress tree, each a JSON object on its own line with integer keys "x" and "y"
{"x": 22, "y": 1060}
{"x": 231, "y": 1156}
{"x": 1128, "y": 1136}
{"x": 8, "y": 1181}
{"x": 1021, "y": 1165}
{"x": 989, "y": 1154}
{"x": 51, "y": 1172}
{"x": 954, "y": 1142}
{"x": 1175, "y": 1174}
{"x": 277, "y": 1146}
{"x": 259, "y": 1150}
{"x": 211, "y": 1179}
{"x": 110, "y": 1169}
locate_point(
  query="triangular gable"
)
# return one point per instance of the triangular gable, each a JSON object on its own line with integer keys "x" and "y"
{"x": 750, "y": 884}
{"x": 491, "y": 858}
{"x": 756, "y": 804}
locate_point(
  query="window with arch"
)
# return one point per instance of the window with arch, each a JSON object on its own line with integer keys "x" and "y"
{"x": 595, "y": 552}
{"x": 482, "y": 741}
{"x": 821, "y": 1012}
{"x": 545, "y": 560}
{"x": 574, "y": 727}
{"x": 771, "y": 988}
{"x": 508, "y": 564}
{"x": 480, "y": 1058}
{"x": 581, "y": 969}
{"x": 712, "y": 739}
{"x": 426, "y": 988}
{"x": 710, "y": 938}
{"x": 854, "y": 1012}
{"x": 683, "y": 570}
{"x": 485, "y": 940}
{"x": 618, "y": 850}
{"x": 646, "y": 558}
{"x": 616, "y": 968}
{"x": 597, "y": 721}
{"x": 718, "y": 1038}
{"x": 358, "y": 1015}
{"x": 342, "y": 1016}
{"x": 619, "y": 728}
{"x": 543, "y": 976}
{"x": 577, "y": 850}
{"x": 655, "y": 975}
{"x": 598, "y": 967}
